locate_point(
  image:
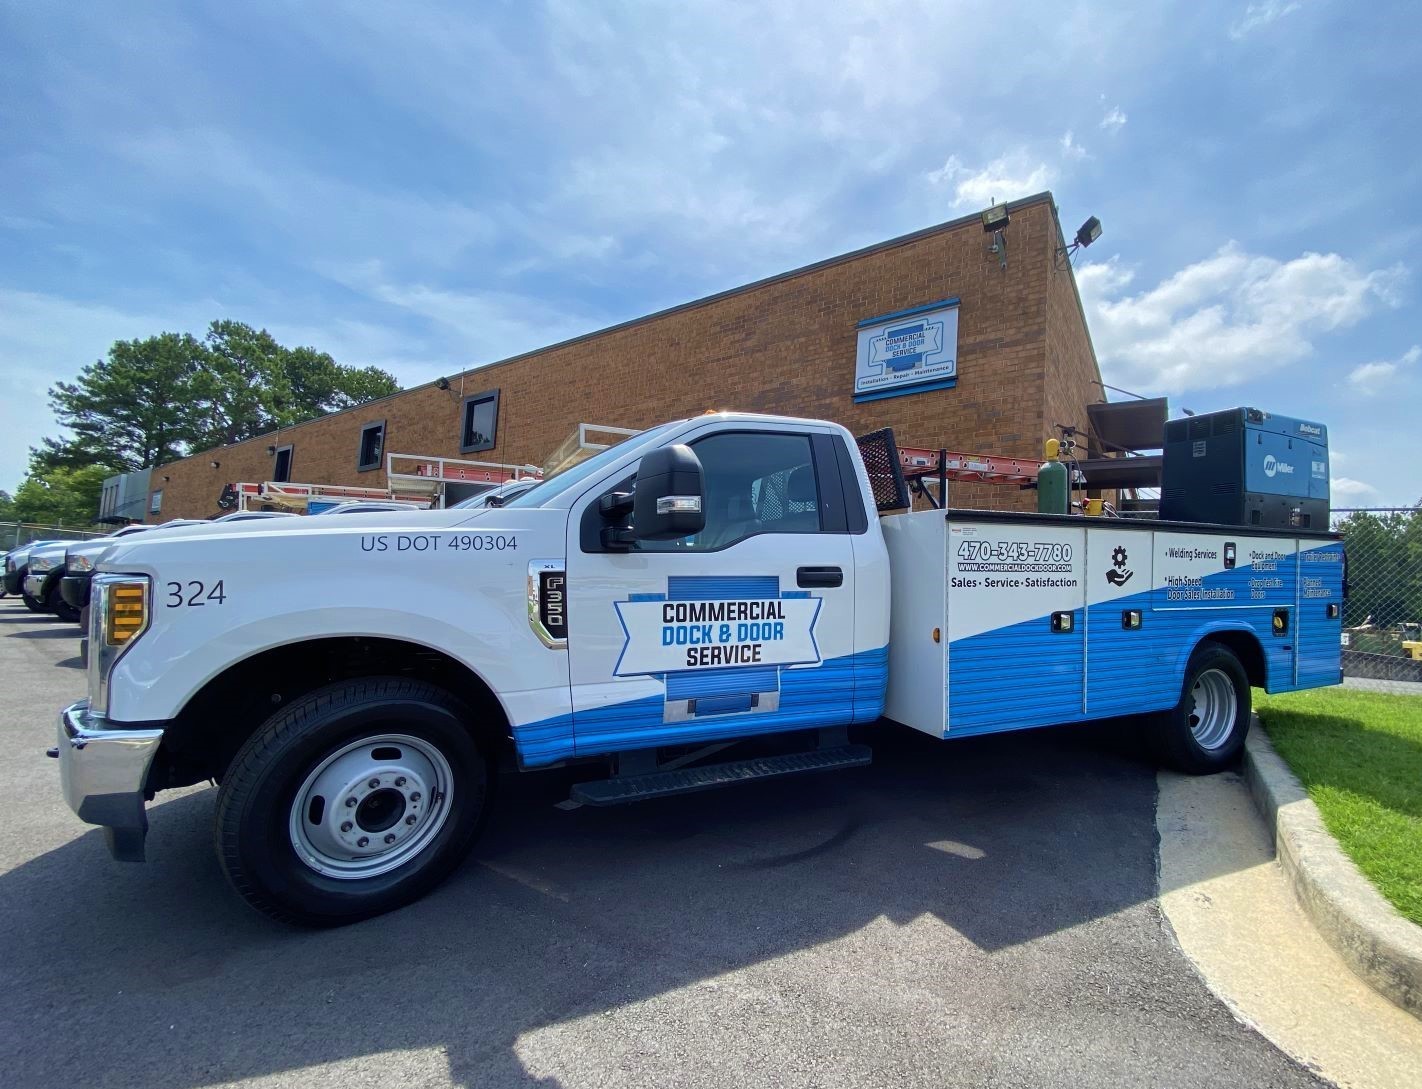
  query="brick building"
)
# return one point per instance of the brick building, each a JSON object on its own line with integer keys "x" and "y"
{"x": 787, "y": 344}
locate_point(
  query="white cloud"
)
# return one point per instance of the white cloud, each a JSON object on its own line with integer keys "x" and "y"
{"x": 1260, "y": 15}
{"x": 472, "y": 327}
{"x": 1345, "y": 487}
{"x": 1114, "y": 120}
{"x": 1374, "y": 377}
{"x": 1003, "y": 179}
{"x": 1226, "y": 319}
{"x": 1071, "y": 150}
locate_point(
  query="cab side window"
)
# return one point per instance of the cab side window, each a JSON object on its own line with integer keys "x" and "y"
{"x": 756, "y": 482}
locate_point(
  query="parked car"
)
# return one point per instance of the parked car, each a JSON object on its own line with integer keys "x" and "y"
{"x": 79, "y": 560}
{"x": 366, "y": 506}
{"x": 253, "y": 515}
{"x": 46, "y": 569}
{"x": 17, "y": 569}
{"x": 497, "y": 497}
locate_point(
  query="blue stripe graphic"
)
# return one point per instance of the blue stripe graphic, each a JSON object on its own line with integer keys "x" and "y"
{"x": 838, "y": 690}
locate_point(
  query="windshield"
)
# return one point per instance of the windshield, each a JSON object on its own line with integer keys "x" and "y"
{"x": 570, "y": 478}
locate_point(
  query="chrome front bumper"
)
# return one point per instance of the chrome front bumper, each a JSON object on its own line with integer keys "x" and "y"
{"x": 103, "y": 770}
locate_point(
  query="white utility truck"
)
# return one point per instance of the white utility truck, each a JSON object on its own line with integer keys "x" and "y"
{"x": 356, "y": 684}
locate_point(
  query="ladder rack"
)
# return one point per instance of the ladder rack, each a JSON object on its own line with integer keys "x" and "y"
{"x": 979, "y": 468}
{"x": 898, "y": 473}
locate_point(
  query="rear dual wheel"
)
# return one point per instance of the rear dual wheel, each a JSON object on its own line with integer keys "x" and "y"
{"x": 1205, "y": 731}
{"x": 356, "y": 800}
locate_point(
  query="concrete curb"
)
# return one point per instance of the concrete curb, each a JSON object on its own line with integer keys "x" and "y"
{"x": 1382, "y": 947}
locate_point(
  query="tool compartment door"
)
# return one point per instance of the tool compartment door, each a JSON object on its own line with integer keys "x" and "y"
{"x": 1320, "y": 614}
{"x": 1016, "y": 625}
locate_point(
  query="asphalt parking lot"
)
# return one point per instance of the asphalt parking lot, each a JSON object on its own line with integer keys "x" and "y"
{"x": 979, "y": 913}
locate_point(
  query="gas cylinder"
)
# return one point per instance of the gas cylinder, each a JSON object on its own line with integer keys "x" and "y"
{"x": 1053, "y": 491}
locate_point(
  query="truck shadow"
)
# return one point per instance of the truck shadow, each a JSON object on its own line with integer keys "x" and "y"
{"x": 157, "y": 975}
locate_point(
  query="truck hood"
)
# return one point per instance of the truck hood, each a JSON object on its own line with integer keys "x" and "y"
{"x": 393, "y": 521}
{"x": 262, "y": 531}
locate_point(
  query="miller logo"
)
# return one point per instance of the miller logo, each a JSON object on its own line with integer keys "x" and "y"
{"x": 1273, "y": 465}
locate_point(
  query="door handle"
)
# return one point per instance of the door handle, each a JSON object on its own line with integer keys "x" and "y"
{"x": 805, "y": 577}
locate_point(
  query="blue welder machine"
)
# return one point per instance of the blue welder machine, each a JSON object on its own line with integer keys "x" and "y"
{"x": 1244, "y": 467}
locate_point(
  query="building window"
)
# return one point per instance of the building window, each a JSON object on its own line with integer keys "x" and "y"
{"x": 372, "y": 443}
{"x": 481, "y": 421}
{"x": 155, "y": 502}
{"x": 281, "y": 469}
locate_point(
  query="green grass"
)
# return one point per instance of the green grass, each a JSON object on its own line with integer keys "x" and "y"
{"x": 1359, "y": 755}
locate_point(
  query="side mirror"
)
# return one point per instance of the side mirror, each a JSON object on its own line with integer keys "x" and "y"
{"x": 669, "y": 498}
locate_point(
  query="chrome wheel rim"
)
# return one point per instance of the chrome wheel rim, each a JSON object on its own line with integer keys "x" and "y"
{"x": 1214, "y": 707}
{"x": 370, "y": 806}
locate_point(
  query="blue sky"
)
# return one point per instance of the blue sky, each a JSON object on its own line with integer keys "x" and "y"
{"x": 429, "y": 188}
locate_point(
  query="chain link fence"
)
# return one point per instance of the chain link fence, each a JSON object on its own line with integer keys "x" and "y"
{"x": 1382, "y": 618}
{"x": 15, "y": 534}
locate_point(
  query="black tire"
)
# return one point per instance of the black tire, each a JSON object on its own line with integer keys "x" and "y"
{"x": 255, "y": 838}
{"x": 56, "y": 604}
{"x": 1205, "y": 731}
{"x": 34, "y": 604}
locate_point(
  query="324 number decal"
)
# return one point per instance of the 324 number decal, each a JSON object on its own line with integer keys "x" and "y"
{"x": 194, "y": 594}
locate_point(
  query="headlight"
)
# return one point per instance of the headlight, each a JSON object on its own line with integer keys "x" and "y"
{"x": 119, "y": 612}
{"x": 80, "y": 562}
{"x": 40, "y": 564}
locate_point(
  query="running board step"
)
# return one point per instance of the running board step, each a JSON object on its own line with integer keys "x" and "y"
{"x": 658, "y": 784}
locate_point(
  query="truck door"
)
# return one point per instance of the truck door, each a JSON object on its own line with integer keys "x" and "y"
{"x": 746, "y": 627}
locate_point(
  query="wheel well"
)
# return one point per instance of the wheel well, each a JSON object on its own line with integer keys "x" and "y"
{"x": 201, "y": 742}
{"x": 1245, "y": 646}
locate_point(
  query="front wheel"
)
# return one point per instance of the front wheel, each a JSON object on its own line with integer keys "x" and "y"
{"x": 34, "y": 604}
{"x": 1204, "y": 732}
{"x": 61, "y": 608}
{"x": 356, "y": 800}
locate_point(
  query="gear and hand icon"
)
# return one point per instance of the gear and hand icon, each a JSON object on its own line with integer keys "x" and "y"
{"x": 1118, "y": 575}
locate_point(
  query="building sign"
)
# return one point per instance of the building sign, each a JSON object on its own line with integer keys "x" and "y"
{"x": 907, "y": 352}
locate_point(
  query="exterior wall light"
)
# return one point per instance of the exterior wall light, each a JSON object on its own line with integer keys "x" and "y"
{"x": 995, "y": 221}
{"x": 216, "y": 464}
{"x": 1089, "y": 232}
{"x": 1086, "y": 234}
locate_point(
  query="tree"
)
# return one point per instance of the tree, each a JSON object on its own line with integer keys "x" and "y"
{"x": 170, "y": 395}
{"x": 1384, "y": 567}
{"x": 129, "y": 410}
{"x": 238, "y": 392}
{"x": 252, "y": 384}
{"x": 7, "y": 507}
{"x": 60, "y": 496}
